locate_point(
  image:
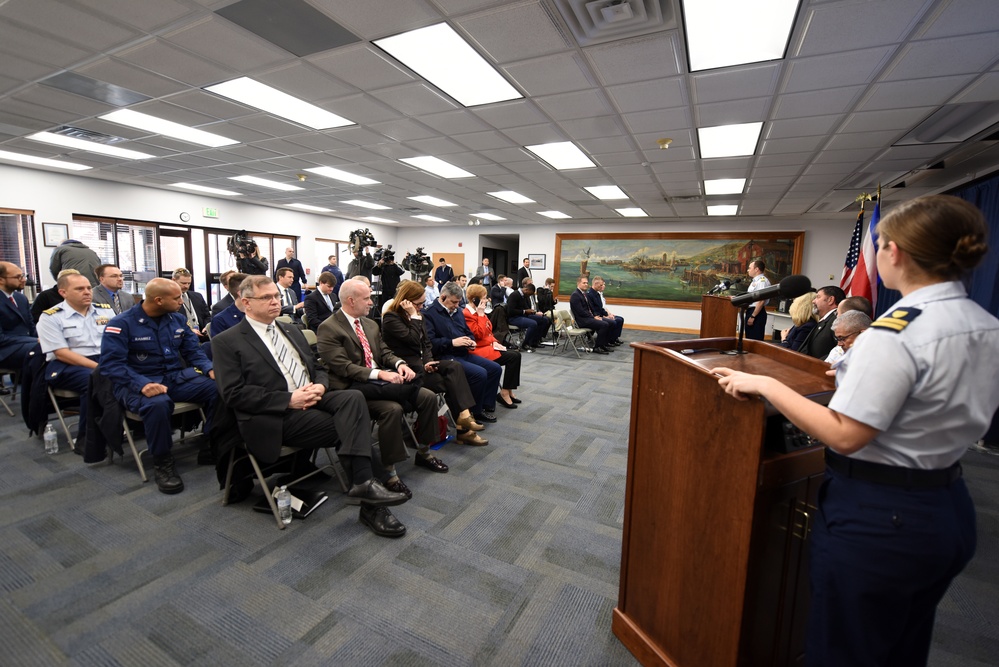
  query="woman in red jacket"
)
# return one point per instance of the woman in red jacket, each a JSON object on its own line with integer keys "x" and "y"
{"x": 487, "y": 346}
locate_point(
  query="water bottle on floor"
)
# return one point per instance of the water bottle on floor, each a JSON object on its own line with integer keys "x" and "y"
{"x": 51, "y": 440}
{"x": 283, "y": 498}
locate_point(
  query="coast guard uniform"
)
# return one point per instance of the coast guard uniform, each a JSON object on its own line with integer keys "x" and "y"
{"x": 137, "y": 350}
{"x": 896, "y": 523}
{"x": 62, "y": 327}
{"x": 757, "y": 330}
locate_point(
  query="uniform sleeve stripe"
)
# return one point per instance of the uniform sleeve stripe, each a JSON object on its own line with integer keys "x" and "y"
{"x": 114, "y": 330}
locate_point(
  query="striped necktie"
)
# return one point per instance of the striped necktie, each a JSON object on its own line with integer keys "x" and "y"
{"x": 297, "y": 375}
{"x": 364, "y": 342}
{"x": 116, "y": 303}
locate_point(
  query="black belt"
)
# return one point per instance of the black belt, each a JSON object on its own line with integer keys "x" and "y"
{"x": 880, "y": 473}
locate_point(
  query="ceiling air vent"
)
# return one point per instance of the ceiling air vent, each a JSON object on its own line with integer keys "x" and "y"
{"x": 684, "y": 199}
{"x": 88, "y": 135}
{"x": 598, "y": 21}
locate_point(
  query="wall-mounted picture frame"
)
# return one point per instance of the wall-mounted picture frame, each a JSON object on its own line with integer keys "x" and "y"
{"x": 672, "y": 270}
{"x": 54, "y": 233}
{"x": 537, "y": 262}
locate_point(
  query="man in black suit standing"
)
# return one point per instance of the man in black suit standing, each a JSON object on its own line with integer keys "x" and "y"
{"x": 290, "y": 262}
{"x": 321, "y": 302}
{"x": 267, "y": 375}
{"x": 524, "y": 272}
{"x": 822, "y": 340}
{"x": 195, "y": 307}
{"x": 110, "y": 289}
{"x": 17, "y": 330}
{"x": 444, "y": 273}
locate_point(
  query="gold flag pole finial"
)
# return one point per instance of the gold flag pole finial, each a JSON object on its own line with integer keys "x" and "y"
{"x": 863, "y": 197}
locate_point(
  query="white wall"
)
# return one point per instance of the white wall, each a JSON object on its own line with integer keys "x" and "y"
{"x": 826, "y": 243}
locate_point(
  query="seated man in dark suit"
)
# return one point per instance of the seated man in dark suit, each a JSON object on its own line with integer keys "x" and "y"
{"x": 599, "y": 305}
{"x": 521, "y": 313}
{"x": 195, "y": 308}
{"x": 17, "y": 330}
{"x": 233, "y": 314}
{"x": 352, "y": 349}
{"x": 322, "y": 301}
{"x": 822, "y": 339}
{"x": 290, "y": 304}
{"x": 227, "y": 298}
{"x": 498, "y": 292}
{"x": 267, "y": 375}
{"x": 586, "y": 317}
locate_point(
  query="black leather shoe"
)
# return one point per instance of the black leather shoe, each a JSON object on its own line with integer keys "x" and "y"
{"x": 373, "y": 492}
{"x": 600, "y": 350}
{"x": 617, "y": 342}
{"x": 166, "y": 477}
{"x": 517, "y": 401}
{"x": 483, "y": 417}
{"x": 432, "y": 463}
{"x": 381, "y": 521}
{"x": 508, "y": 406}
{"x": 399, "y": 486}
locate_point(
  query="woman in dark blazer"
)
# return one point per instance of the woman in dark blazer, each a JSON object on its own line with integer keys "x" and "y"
{"x": 403, "y": 332}
{"x": 803, "y": 320}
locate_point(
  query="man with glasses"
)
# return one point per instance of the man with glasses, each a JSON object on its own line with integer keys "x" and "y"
{"x": 195, "y": 308}
{"x": 109, "y": 289}
{"x": 17, "y": 329}
{"x": 846, "y": 328}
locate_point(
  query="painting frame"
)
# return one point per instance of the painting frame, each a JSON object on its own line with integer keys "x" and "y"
{"x": 787, "y": 248}
{"x": 537, "y": 261}
{"x": 54, "y": 233}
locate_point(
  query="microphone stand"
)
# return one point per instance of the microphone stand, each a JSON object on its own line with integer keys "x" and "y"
{"x": 742, "y": 331}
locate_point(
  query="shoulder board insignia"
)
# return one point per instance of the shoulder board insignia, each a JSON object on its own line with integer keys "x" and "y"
{"x": 52, "y": 311}
{"x": 106, "y": 306}
{"x": 897, "y": 319}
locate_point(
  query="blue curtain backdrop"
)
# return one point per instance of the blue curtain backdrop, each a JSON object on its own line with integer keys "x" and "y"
{"x": 982, "y": 287}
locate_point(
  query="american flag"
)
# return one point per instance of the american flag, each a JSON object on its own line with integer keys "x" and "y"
{"x": 852, "y": 254}
{"x": 865, "y": 276}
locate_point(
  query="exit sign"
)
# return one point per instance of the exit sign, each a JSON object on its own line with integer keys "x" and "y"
{"x": 210, "y": 213}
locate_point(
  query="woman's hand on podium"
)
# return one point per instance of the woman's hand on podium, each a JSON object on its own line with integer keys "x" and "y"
{"x": 741, "y": 385}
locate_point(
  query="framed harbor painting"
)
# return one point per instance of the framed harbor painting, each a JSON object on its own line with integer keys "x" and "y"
{"x": 672, "y": 270}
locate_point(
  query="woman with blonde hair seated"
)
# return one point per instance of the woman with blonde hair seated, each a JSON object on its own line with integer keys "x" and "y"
{"x": 488, "y": 347}
{"x": 803, "y": 319}
{"x": 404, "y": 333}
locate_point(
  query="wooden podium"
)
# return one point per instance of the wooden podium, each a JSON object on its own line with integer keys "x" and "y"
{"x": 718, "y": 316}
{"x": 713, "y": 559}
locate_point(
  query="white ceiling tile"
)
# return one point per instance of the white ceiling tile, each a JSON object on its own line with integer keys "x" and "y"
{"x": 403, "y": 129}
{"x": 890, "y": 119}
{"x": 817, "y": 103}
{"x": 574, "y": 105}
{"x": 801, "y": 127}
{"x": 20, "y": 40}
{"x": 649, "y": 95}
{"x": 211, "y": 105}
{"x": 164, "y": 58}
{"x": 984, "y": 89}
{"x": 510, "y": 114}
{"x": 683, "y": 166}
{"x": 673, "y": 154}
{"x": 439, "y": 146}
{"x": 964, "y": 17}
{"x": 57, "y": 99}
{"x": 414, "y": 99}
{"x": 781, "y": 159}
{"x": 534, "y": 134}
{"x": 363, "y": 66}
{"x": 21, "y": 70}
{"x": 358, "y": 136}
{"x": 559, "y": 73}
{"x": 454, "y": 122}
{"x": 606, "y": 145}
{"x": 365, "y": 108}
{"x": 835, "y": 27}
{"x": 122, "y": 74}
{"x": 306, "y": 82}
{"x": 478, "y": 141}
{"x": 850, "y": 156}
{"x": 617, "y": 159}
{"x": 514, "y": 32}
{"x": 914, "y": 93}
{"x": 589, "y": 128}
{"x": 735, "y": 83}
{"x": 792, "y": 145}
{"x": 836, "y": 70}
{"x": 648, "y": 57}
{"x": 224, "y": 42}
{"x": 144, "y": 16}
{"x": 944, "y": 57}
{"x": 372, "y": 19}
{"x": 260, "y": 122}
{"x": 664, "y": 120}
{"x": 72, "y": 24}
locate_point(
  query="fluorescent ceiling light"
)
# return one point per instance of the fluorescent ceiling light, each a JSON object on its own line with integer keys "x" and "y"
{"x": 310, "y": 207}
{"x": 439, "y": 54}
{"x": 512, "y": 197}
{"x": 723, "y": 209}
{"x": 385, "y": 220}
{"x": 556, "y": 215}
{"x": 167, "y": 128}
{"x": 487, "y": 216}
{"x": 84, "y": 145}
{"x": 203, "y": 188}
{"x": 632, "y": 212}
{"x": 724, "y": 186}
{"x": 562, "y": 155}
{"x": 729, "y": 140}
{"x": 722, "y": 33}
{"x": 43, "y": 161}
{"x": 265, "y": 183}
{"x": 606, "y": 192}
{"x": 432, "y": 201}
{"x": 340, "y": 175}
{"x": 431, "y": 218}
{"x": 366, "y": 204}
{"x": 437, "y": 166}
{"x": 272, "y": 100}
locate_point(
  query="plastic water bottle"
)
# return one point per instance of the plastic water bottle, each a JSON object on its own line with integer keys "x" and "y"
{"x": 51, "y": 440}
{"x": 283, "y": 498}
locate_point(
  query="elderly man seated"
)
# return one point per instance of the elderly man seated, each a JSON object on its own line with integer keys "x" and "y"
{"x": 153, "y": 359}
{"x": 846, "y": 328}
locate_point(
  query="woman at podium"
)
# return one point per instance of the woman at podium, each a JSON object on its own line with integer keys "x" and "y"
{"x": 896, "y": 523}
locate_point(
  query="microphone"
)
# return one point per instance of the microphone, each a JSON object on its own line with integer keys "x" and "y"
{"x": 720, "y": 287}
{"x": 790, "y": 288}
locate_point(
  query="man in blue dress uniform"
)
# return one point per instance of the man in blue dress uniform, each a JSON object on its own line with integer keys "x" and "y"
{"x": 154, "y": 359}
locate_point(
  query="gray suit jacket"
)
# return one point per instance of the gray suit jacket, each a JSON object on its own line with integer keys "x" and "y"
{"x": 102, "y": 295}
{"x": 343, "y": 355}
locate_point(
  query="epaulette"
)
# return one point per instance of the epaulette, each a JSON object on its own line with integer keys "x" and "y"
{"x": 106, "y": 306}
{"x": 52, "y": 311}
{"x": 897, "y": 319}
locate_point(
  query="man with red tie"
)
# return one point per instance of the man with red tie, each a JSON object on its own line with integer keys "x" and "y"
{"x": 582, "y": 312}
{"x": 17, "y": 330}
{"x": 352, "y": 349}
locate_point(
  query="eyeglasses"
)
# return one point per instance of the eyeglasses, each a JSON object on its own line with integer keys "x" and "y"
{"x": 17, "y": 277}
{"x": 843, "y": 339}
{"x": 267, "y": 297}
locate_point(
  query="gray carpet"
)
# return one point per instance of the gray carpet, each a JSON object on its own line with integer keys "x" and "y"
{"x": 511, "y": 559}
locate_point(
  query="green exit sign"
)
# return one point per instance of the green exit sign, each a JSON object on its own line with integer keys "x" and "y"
{"x": 211, "y": 213}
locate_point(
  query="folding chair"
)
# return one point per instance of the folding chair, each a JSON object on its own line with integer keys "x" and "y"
{"x": 13, "y": 390}
{"x": 568, "y": 332}
{"x": 310, "y": 337}
{"x": 54, "y": 396}
{"x": 244, "y": 453}
{"x": 178, "y": 409}
{"x": 517, "y": 335}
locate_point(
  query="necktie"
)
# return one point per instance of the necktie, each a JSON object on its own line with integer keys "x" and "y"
{"x": 296, "y": 373}
{"x": 364, "y": 342}
{"x": 329, "y": 302}
{"x": 192, "y": 318}
{"x": 286, "y": 299}
{"x": 116, "y": 303}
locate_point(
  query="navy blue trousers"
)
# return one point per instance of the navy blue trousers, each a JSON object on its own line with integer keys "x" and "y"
{"x": 882, "y": 558}
{"x": 157, "y": 411}
{"x": 483, "y": 378}
{"x": 758, "y": 329}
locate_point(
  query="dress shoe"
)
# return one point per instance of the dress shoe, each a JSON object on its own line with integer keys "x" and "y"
{"x": 166, "y": 477}
{"x": 600, "y": 350}
{"x": 469, "y": 424}
{"x": 517, "y": 401}
{"x": 487, "y": 418}
{"x": 430, "y": 463}
{"x": 399, "y": 486}
{"x": 472, "y": 438}
{"x": 505, "y": 404}
{"x": 373, "y": 492}
{"x": 617, "y": 342}
{"x": 527, "y": 348}
{"x": 381, "y": 521}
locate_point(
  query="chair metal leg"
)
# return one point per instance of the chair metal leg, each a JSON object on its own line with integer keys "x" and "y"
{"x": 58, "y": 411}
{"x": 228, "y": 477}
{"x": 135, "y": 452}
{"x": 267, "y": 493}
{"x": 6, "y": 407}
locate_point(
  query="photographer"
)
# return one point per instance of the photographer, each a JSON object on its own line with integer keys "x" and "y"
{"x": 251, "y": 263}
{"x": 390, "y": 273}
